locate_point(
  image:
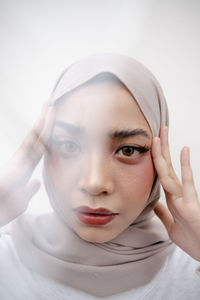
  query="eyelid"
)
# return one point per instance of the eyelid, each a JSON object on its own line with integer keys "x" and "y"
{"x": 63, "y": 139}
{"x": 59, "y": 143}
{"x": 144, "y": 148}
{"x": 140, "y": 150}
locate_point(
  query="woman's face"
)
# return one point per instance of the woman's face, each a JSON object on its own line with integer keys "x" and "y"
{"x": 100, "y": 158}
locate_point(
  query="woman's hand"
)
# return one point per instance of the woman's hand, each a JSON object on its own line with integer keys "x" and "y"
{"x": 182, "y": 217}
{"x": 16, "y": 188}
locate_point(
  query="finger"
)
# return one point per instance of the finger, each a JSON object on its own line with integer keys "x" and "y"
{"x": 164, "y": 215}
{"x": 29, "y": 154}
{"x": 159, "y": 161}
{"x": 165, "y": 144}
{"x": 170, "y": 183}
{"x": 33, "y": 149}
{"x": 38, "y": 148}
{"x": 34, "y": 134}
{"x": 189, "y": 191}
{"x": 22, "y": 154}
{"x": 40, "y": 121}
{"x": 47, "y": 129}
{"x": 32, "y": 188}
{"x": 166, "y": 151}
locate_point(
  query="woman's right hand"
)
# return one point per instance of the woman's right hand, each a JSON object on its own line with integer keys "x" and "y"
{"x": 16, "y": 188}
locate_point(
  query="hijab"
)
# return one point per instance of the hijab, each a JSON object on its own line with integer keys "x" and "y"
{"x": 47, "y": 245}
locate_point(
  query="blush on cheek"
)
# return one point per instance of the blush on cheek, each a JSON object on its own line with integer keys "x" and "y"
{"x": 146, "y": 174}
{"x": 146, "y": 170}
{"x": 140, "y": 177}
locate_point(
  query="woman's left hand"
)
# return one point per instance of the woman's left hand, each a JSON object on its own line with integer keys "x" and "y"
{"x": 181, "y": 217}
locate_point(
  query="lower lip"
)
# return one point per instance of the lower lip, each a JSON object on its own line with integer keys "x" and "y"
{"x": 96, "y": 220}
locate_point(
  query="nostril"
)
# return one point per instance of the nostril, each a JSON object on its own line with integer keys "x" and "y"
{"x": 95, "y": 191}
{"x": 96, "y": 182}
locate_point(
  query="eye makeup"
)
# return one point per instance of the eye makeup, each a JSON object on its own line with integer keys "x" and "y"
{"x": 129, "y": 150}
{"x": 131, "y": 153}
{"x": 69, "y": 141}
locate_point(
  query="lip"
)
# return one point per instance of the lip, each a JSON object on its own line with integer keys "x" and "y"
{"x": 98, "y": 211}
{"x": 96, "y": 217}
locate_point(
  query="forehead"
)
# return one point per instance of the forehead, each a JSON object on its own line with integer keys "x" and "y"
{"x": 101, "y": 106}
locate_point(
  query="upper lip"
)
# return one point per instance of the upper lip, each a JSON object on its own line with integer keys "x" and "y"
{"x": 98, "y": 211}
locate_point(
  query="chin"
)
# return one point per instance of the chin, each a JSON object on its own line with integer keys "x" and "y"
{"x": 95, "y": 235}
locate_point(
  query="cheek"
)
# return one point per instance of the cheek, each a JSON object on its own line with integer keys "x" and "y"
{"x": 62, "y": 174}
{"x": 146, "y": 174}
{"x": 136, "y": 180}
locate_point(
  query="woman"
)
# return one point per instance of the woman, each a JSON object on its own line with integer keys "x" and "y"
{"x": 105, "y": 141}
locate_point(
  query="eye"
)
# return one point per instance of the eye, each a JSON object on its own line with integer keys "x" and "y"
{"x": 131, "y": 151}
{"x": 67, "y": 147}
{"x": 127, "y": 151}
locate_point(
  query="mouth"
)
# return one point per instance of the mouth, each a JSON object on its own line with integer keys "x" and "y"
{"x": 95, "y": 217}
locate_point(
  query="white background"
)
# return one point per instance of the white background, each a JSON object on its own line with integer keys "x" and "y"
{"x": 39, "y": 38}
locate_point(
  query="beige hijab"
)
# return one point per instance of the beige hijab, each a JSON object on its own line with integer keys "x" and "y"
{"x": 48, "y": 246}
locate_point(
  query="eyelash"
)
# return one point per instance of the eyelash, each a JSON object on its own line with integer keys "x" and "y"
{"x": 59, "y": 144}
{"x": 139, "y": 149}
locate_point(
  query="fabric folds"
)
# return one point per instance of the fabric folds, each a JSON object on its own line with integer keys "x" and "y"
{"x": 47, "y": 245}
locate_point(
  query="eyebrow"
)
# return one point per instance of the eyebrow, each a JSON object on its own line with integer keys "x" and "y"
{"x": 76, "y": 130}
{"x": 122, "y": 134}
{"x": 117, "y": 134}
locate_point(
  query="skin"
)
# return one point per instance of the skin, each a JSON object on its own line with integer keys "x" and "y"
{"x": 90, "y": 169}
{"x": 16, "y": 185}
{"x": 180, "y": 215}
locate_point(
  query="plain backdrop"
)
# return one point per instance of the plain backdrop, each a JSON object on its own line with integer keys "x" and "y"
{"x": 39, "y": 38}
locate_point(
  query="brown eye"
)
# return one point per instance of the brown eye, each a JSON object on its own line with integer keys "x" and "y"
{"x": 130, "y": 153}
{"x": 127, "y": 151}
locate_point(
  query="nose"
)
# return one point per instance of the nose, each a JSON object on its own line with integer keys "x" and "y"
{"x": 96, "y": 176}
